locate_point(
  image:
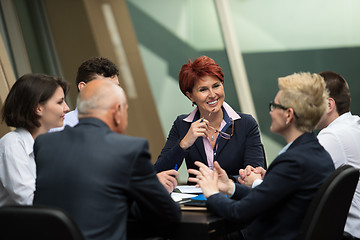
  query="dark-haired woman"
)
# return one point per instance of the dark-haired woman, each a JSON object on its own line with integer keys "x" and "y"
{"x": 213, "y": 131}
{"x": 35, "y": 103}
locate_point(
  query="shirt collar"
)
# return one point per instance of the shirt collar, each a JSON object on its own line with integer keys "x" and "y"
{"x": 28, "y": 139}
{"x": 285, "y": 148}
{"x": 340, "y": 119}
{"x": 228, "y": 110}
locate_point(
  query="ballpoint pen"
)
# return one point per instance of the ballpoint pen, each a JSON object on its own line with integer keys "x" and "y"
{"x": 176, "y": 168}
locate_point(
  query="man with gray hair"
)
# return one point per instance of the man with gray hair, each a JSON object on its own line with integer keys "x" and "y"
{"x": 97, "y": 174}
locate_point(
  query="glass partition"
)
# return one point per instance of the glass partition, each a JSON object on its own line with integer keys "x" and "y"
{"x": 278, "y": 38}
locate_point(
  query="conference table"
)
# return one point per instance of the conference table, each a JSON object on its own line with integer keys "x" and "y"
{"x": 196, "y": 223}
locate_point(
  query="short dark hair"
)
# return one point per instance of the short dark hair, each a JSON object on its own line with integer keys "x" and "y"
{"x": 338, "y": 90}
{"x": 19, "y": 109}
{"x": 95, "y": 66}
{"x": 192, "y": 71}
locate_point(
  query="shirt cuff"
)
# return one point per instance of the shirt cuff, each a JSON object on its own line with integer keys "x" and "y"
{"x": 232, "y": 194}
{"x": 256, "y": 183}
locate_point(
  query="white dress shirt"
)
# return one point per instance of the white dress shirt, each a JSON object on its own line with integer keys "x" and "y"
{"x": 71, "y": 119}
{"x": 17, "y": 168}
{"x": 342, "y": 140}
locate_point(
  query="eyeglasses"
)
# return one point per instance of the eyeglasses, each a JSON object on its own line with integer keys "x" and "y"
{"x": 273, "y": 105}
{"x": 224, "y": 134}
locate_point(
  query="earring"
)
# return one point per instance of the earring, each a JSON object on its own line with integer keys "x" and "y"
{"x": 287, "y": 123}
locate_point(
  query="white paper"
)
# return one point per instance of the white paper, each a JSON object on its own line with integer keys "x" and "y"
{"x": 189, "y": 189}
{"x": 177, "y": 197}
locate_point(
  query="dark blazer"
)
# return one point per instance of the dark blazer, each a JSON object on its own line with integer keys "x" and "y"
{"x": 277, "y": 206}
{"x": 244, "y": 148}
{"x": 95, "y": 175}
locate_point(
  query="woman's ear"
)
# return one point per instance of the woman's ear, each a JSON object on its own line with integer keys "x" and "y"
{"x": 290, "y": 114}
{"x": 39, "y": 110}
{"x": 189, "y": 95}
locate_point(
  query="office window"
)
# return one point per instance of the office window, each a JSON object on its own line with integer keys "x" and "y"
{"x": 278, "y": 38}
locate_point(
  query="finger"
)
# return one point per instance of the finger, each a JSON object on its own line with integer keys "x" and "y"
{"x": 219, "y": 169}
{"x": 205, "y": 171}
{"x": 193, "y": 171}
{"x": 249, "y": 169}
{"x": 200, "y": 164}
{"x": 260, "y": 170}
{"x": 172, "y": 182}
{"x": 173, "y": 173}
{"x": 192, "y": 179}
{"x": 215, "y": 175}
{"x": 168, "y": 186}
{"x": 241, "y": 181}
{"x": 242, "y": 173}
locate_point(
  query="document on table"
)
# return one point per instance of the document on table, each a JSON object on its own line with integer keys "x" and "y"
{"x": 181, "y": 197}
{"x": 189, "y": 189}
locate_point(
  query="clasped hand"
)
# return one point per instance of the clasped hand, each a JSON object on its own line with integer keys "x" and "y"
{"x": 250, "y": 174}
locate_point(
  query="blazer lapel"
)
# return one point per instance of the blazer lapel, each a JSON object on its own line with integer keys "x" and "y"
{"x": 223, "y": 142}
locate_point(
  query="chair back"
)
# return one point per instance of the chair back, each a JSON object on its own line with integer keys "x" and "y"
{"x": 327, "y": 213}
{"x": 35, "y": 222}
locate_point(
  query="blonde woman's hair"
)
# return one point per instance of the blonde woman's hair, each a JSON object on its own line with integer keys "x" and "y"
{"x": 307, "y": 95}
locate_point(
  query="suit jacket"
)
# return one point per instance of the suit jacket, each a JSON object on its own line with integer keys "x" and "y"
{"x": 95, "y": 175}
{"x": 244, "y": 148}
{"x": 275, "y": 209}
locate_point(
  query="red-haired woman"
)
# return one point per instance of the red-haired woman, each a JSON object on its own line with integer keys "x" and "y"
{"x": 213, "y": 131}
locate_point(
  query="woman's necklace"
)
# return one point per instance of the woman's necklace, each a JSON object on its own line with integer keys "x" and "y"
{"x": 215, "y": 131}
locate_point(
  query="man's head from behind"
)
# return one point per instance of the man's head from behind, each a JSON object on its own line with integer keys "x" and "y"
{"x": 338, "y": 90}
{"x": 106, "y": 101}
{"x": 339, "y": 97}
{"x": 94, "y": 68}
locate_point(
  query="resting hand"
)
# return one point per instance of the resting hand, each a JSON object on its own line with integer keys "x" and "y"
{"x": 245, "y": 172}
{"x": 261, "y": 171}
{"x": 250, "y": 174}
{"x": 168, "y": 179}
{"x": 197, "y": 129}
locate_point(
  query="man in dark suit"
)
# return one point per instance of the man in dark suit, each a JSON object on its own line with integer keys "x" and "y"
{"x": 97, "y": 174}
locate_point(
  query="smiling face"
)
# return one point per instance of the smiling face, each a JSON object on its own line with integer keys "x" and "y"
{"x": 52, "y": 112}
{"x": 208, "y": 94}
